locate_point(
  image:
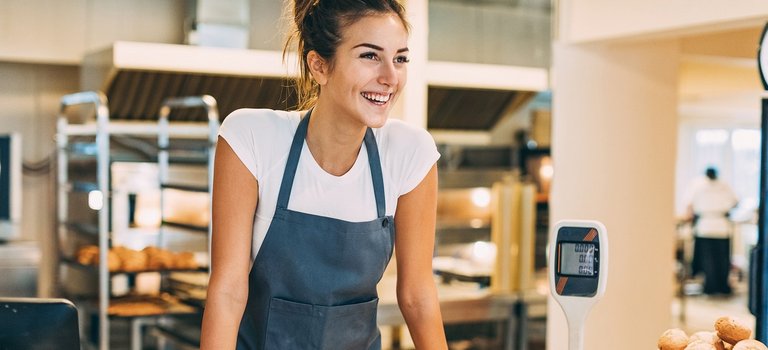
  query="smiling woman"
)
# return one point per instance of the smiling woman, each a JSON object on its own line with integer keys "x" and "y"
{"x": 305, "y": 210}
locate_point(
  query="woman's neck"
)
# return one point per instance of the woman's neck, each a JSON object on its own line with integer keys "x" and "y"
{"x": 334, "y": 141}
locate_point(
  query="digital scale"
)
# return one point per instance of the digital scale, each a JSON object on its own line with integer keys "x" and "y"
{"x": 578, "y": 263}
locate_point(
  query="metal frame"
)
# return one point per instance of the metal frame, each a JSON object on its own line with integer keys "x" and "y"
{"x": 206, "y": 102}
{"x": 99, "y": 101}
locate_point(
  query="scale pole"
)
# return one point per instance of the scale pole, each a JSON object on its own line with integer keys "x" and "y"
{"x": 760, "y": 307}
{"x": 576, "y": 333}
{"x": 758, "y": 274}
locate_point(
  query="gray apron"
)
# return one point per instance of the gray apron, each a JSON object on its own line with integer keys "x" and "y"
{"x": 313, "y": 282}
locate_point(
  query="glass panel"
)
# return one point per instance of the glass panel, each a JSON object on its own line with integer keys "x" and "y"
{"x": 711, "y": 150}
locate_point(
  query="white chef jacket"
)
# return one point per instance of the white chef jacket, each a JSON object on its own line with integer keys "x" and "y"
{"x": 711, "y": 201}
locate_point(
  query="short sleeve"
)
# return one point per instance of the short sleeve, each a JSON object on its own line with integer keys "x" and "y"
{"x": 417, "y": 154}
{"x": 237, "y": 129}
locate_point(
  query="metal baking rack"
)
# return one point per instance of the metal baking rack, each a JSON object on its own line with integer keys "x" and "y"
{"x": 84, "y": 157}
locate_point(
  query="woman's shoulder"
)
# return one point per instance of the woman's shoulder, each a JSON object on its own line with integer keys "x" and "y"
{"x": 260, "y": 119}
{"x": 399, "y": 134}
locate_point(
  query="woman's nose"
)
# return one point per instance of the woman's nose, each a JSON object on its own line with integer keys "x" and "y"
{"x": 388, "y": 74}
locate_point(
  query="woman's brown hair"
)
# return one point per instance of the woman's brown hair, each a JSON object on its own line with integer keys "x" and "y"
{"x": 318, "y": 25}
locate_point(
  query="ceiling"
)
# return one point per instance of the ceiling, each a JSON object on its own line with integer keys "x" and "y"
{"x": 718, "y": 75}
{"x": 738, "y": 44}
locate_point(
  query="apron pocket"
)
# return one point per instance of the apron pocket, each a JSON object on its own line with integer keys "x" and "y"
{"x": 299, "y": 326}
{"x": 350, "y": 327}
{"x": 290, "y": 326}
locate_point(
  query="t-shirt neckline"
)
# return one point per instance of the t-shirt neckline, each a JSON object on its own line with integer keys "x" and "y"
{"x": 360, "y": 161}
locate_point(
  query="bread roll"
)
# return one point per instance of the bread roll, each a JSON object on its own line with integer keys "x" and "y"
{"x": 673, "y": 339}
{"x": 709, "y": 338}
{"x": 749, "y": 344}
{"x": 732, "y": 330}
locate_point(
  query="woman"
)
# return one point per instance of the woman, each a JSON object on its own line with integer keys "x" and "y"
{"x": 329, "y": 188}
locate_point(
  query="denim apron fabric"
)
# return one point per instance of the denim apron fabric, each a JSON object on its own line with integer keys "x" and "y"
{"x": 313, "y": 282}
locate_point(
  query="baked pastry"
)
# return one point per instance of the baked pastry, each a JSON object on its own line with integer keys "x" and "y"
{"x": 708, "y": 337}
{"x": 731, "y": 330}
{"x": 113, "y": 261}
{"x": 158, "y": 259}
{"x": 185, "y": 260}
{"x": 131, "y": 260}
{"x": 673, "y": 339}
{"x": 749, "y": 344}
{"x": 135, "y": 308}
{"x": 87, "y": 255}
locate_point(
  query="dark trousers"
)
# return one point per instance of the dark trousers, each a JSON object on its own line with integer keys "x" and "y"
{"x": 712, "y": 256}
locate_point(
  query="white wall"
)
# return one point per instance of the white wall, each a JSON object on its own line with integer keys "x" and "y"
{"x": 61, "y": 31}
{"x": 614, "y": 132}
{"x": 595, "y": 20}
{"x": 29, "y": 96}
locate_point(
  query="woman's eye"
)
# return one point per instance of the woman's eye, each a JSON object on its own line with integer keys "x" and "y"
{"x": 368, "y": 56}
{"x": 402, "y": 59}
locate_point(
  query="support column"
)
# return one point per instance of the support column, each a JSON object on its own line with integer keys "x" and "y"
{"x": 413, "y": 102}
{"x": 614, "y": 138}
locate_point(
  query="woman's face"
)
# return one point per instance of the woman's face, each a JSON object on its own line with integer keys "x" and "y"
{"x": 369, "y": 70}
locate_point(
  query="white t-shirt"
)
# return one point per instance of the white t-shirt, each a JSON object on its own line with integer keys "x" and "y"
{"x": 262, "y": 138}
{"x": 711, "y": 200}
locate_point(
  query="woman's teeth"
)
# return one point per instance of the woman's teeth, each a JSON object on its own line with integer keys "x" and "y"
{"x": 376, "y": 98}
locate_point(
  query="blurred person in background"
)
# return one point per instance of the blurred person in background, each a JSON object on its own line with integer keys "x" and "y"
{"x": 709, "y": 206}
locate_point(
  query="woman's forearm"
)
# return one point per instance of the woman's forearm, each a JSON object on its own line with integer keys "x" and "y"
{"x": 422, "y": 315}
{"x": 221, "y": 320}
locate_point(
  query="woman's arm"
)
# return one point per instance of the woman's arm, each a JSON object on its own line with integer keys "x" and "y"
{"x": 235, "y": 196}
{"x": 414, "y": 244}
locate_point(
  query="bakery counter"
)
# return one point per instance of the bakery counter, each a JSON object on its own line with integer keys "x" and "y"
{"x": 462, "y": 303}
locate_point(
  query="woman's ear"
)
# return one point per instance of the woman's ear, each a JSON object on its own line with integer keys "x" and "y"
{"x": 318, "y": 67}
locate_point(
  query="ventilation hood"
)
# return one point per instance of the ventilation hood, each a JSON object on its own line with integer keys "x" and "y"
{"x": 476, "y": 97}
{"x": 472, "y": 109}
{"x": 137, "y": 77}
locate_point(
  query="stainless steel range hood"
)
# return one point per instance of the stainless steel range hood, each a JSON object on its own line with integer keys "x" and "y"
{"x": 137, "y": 77}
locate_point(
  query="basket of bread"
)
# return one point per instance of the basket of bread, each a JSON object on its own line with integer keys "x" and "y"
{"x": 730, "y": 333}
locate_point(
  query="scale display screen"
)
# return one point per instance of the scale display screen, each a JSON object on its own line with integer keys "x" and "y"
{"x": 577, "y": 262}
{"x": 577, "y": 259}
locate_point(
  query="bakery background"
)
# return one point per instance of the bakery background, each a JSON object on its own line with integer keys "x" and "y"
{"x": 540, "y": 94}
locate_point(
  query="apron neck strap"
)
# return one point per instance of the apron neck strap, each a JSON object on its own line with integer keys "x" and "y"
{"x": 292, "y": 163}
{"x": 375, "y": 165}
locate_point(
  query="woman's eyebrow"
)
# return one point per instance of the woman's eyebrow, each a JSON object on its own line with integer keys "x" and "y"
{"x": 378, "y": 48}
